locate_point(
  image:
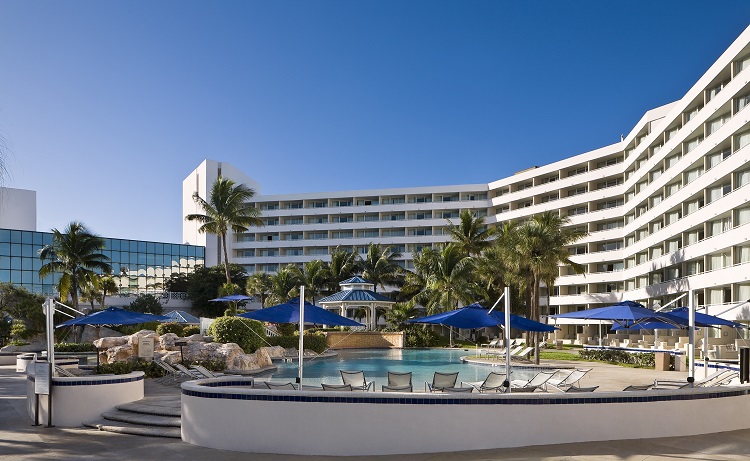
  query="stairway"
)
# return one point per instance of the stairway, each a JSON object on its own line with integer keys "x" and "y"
{"x": 152, "y": 416}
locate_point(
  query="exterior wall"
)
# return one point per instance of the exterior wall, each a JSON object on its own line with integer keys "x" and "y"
{"x": 364, "y": 340}
{"x": 17, "y": 209}
{"x": 84, "y": 398}
{"x": 667, "y": 208}
{"x": 222, "y": 418}
{"x": 138, "y": 266}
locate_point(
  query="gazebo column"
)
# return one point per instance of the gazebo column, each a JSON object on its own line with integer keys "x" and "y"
{"x": 373, "y": 317}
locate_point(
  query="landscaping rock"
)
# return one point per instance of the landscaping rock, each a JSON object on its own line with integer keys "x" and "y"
{"x": 106, "y": 343}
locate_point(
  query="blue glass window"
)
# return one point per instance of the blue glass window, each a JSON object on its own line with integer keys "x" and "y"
{"x": 5, "y": 249}
{"x": 4, "y": 275}
{"x": 38, "y": 238}
{"x": 27, "y": 237}
{"x": 27, "y": 264}
{"x": 15, "y": 236}
{"x": 4, "y": 235}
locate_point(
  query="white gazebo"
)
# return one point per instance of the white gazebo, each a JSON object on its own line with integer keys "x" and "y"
{"x": 357, "y": 293}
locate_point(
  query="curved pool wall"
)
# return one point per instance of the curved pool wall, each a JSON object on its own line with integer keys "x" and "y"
{"x": 218, "y": 413}
{"x": 84, "y": 398}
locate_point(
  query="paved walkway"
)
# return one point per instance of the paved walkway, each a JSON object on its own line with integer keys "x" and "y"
{"x": 19, "y": 440}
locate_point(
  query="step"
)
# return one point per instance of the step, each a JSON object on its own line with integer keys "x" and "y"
{"x": 159, "y": 407}
{"x": 132, "y": 429}
{"x": 142, "y": 418}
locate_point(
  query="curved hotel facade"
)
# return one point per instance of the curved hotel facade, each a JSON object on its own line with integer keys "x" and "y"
{"x": 666, "y": 207}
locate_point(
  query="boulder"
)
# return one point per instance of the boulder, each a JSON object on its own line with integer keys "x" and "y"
{"x": 120, "y": 353}
{"x": 170, "y": 357}
{"x": 106, "y": 343}
{"x": 195, "y": 338}
{"x": 133, "y": 339}
{"x": 166, "y": 342}
{"x": 274, "y": 351}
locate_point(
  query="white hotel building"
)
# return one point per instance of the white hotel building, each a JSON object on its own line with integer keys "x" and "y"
{"x": 667, "y": 208}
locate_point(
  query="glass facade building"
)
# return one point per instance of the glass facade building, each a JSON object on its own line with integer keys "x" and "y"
{"x": 137, "y": 266}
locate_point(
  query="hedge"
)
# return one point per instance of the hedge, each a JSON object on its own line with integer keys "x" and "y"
{"x": 315, "y": 343}
{"x": 639, "y": 359}
{"x": 190, "y": 330}
{"x": 246, "y": 333}
{"x": 170, "y": 327}
{"x": 75, "y": 347}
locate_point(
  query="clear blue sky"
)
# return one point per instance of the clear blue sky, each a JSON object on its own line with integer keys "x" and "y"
{"x": 109, "y": 105}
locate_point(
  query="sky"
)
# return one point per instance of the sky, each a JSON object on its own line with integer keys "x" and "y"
{"x": 108, "y": 106}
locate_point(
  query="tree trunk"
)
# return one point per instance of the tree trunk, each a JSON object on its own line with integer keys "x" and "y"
{"x": 535, "y": 316}
{"x": 226, "y": 256}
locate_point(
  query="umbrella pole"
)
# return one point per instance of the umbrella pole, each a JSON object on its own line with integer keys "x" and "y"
{"x": 301, "y": 352}
{"x": 691, "y": 338}
{"x": 507, "y": 339}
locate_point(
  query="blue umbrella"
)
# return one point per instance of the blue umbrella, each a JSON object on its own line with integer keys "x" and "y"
{"x": 476, "y": 316}
{"x": 234, "y": 298}
{"x": 182, "y": 317}
{"x": 647, "y": 326}
{"x": 114, "y": 316}
{"x": 288, "y": 312}
{"x": 628, "y": 314}
{"x": 700, "y": 317}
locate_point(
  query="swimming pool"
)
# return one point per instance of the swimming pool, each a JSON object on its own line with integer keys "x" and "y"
{"x": 376, "y": 363}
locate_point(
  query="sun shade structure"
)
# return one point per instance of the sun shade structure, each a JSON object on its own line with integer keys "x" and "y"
{"x": 628, "y": 314}
{"x": 182, "y": 317}
{"x": 114, "y": 316}
{"x": 476, "y": 316}
{"x": 356, "y": 293}
{"x": 288, "y": 312}
{"x": 701, "y": 318}
{"x": 230, "y": 298}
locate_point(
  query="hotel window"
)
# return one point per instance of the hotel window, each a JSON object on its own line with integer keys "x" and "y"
{"x": 394, "y": 217}
{"x": 689, "y": 115}
{"x": 640, "y": 186}
{"x": 577, "y": 211}
{"x": 394, "y": 232}
{"x": 577, "y": 171}
{"x": 656, "y": 226}
{"x": 695, "y": 236}
{"x": 655, "y": 150}
{"x": 343, "y": 218}
{"x": 549, "y": 179}
{"x": 629, "y": 218}
{"x": 741, "y": 140}
{"x": 694, "y": 267}
{"x": 641, "y": 281}
{"x": 694, "y": 205}
{"x": 367, "y": 218}
{"x": 719, "y": 226}
{"x": 270, "y": 221}
{"x": 630, "y": 262}
{"x": 524, "y": 186}
{"x": 742, "y": 178}
{"x": 295, "y": 252}
{"x": 655, "y": 200}
{"x": 629, "y": 240}
{"x": 673, "y": 273}
{"x": 672, "y": 245}
{"x": 609, "y": 204}
{"x": 609, "y": 183}
{"x": 630, "y": 285}
{"x": 716, "y": 123}
{"x": 421, "y": 216}
{"x": 393, "y": 200}
{"x": 317, "y": 235}
{"x": 524, "y": 204}
{"x": 609, "y": 162}
{"x": 642, "y": 258}
{"x": 246, "y": 253}
{"x": 550, "y": 198}
{"x": 342, "y": 234}
{"x": 420, "y": 232}
{"x": 293, "y": 221}
{"x": 340, "y": 203}
{"x": 741, "y": 65}
{"x": 368, "y": 234}
{"x": 367, "y": 202}
{"x": 693, "y": 143}
{"x": 317, "y": 251}
{"x": 669, "y": 134}
{"x": 577, "y": 191}
{"x": 610, "y": 246}
{"x": 669, "y": 162}
{"x": 293, "y": 206}
{"x": 294, "y": 236}
{"x": 672, "y": 217}
{"x": 742, "y": 102}
{"x": 641, "y": 234}
{"x": 672, "y": 188}
{"x": 268, "y": 252}
{"x": 421, "y": 199}
{"x": 711, "y": 93}
{"x": 502, "y": 192}
{"x": 655, "y": 174}
{"x": 716, "y": 261}
{"x": 717, "y": 192}
{"x": 318, "y": 204}
{"x": 317, "y": 220}
{"x": 742, "y": 255}
{"x": 609, "y": 225}
{"x": 579, "y": 250}
{"x": 692, "y": 175}
{"x": 742, "y": 216}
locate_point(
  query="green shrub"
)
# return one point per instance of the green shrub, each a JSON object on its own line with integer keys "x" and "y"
{"x": 638, "y": 359}
{"x": 75, "y": 347}
{"x": 191, "y": 330}
{"x": 315, "y": 343}
{"x": 248, "y": 334}
{"x": 130, "y": 329}
{"x": 169, "y": 327}
{"x": 287, "y": 329}
{"x": 120, "y": 368}
{"x": 417, "y": 336}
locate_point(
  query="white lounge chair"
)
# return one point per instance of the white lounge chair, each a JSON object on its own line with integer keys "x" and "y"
{"x": 441, "y": 381}
{"x": 538, "y": 381}
{"x": 195, "y": 374}
{"x": 573, "y": 378}
{"x": 493, "y": 382}
{"x": 337, "y": 387}
{"x": 357, "y": 380}
{"x": 720, "y": 378}
{"x": 523, "y": 354}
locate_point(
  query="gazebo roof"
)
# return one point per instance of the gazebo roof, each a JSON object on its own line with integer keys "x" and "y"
{"x": 356, "y": 296}
{"x": 355, "y": 279}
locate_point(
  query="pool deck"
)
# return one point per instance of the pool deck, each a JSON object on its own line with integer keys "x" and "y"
{"x": 19, "y": 440}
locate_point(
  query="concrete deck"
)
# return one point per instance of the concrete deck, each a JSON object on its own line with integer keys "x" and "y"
{"x": 19, "y": 440}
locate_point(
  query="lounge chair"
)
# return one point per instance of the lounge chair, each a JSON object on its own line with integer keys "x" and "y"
{"x": 720, "y": 378}
{"x": 356, "y": 379}
{"x": 404, "y": 388}
{"x": 574, "y": 389}
{"x": 512, "y": 352}
{"x": 635, "y": 387}
{"x": 466, "y": 390}
{"x": 539, "y": 380}
{"x": 195, "y": 374}
{"x": 206, "y": 372}
{"x": 494, "y": 344}
{"x": 569, "y": 381}
{"x": 523, "y": 354}
{"x": 171, "y": 374}
{"x": 397, "y": 379}
{"x": 337, "y": 387}
{"x": 281, "y": 386}
{"x": 63, "y": 372}
{"x": 493, "y": 382}
{"x": 440, "y": 381}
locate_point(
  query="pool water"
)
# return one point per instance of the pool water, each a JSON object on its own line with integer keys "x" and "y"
{"x": 376, "y": 363}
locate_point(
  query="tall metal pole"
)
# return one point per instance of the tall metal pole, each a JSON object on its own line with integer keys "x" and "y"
{"x": 50, "y": 324}
{"x": 691, "y": 337}
{"x": 507, "y": 338}
{"x": 301, "y": 352}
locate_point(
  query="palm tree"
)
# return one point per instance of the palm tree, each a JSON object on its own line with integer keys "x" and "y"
{"x": 540, "y": 246}
{"x": 415, "y": 281}
{"x": 471, "y": 234}
{"x": 75, "y": 255}
{"x": 284, "y": 285}
{"x": 343, "y": 265}
{"x": 108, "y": 286}
{"x": 450, "y": 280}
{"x": 226, "y": 208}
{"x": 399, "y": 313}
{"x": 91, "y": 293}
{"x": 259, "y": 284}
{"x": 379, "y": 266}
{"x": 314, "y": 276}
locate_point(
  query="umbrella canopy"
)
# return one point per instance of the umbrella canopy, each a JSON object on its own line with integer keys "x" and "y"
{"x": 234, "y": 298}
{"x": 476, "y": 316}
{"x": 712, "y": 320}
{"x": 647, "y": 326}
{"x": 182, "y": 317}
{"x": 114, "y": 316}
{"x": 628, "y": 314}
{"x": 288, "y": 312}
